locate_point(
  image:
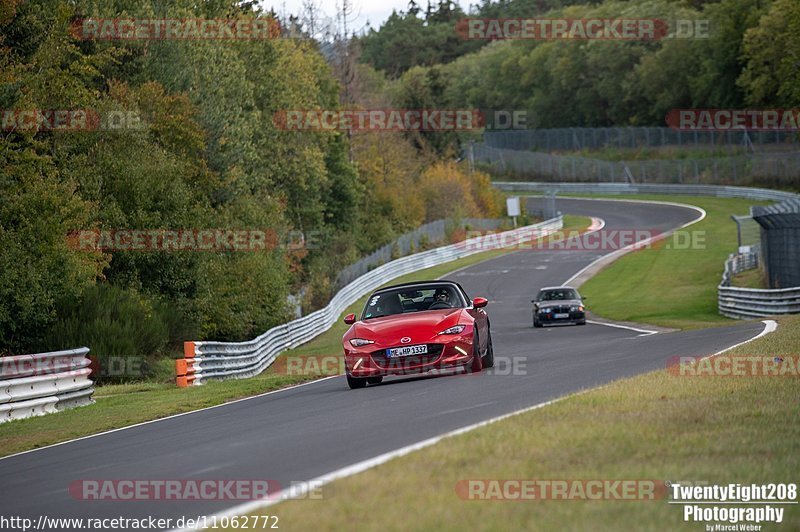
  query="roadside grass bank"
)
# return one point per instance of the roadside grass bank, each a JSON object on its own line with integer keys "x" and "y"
{"x": 674, "y": 282}
{"x": 754, "y": 278}
{"x": 656, "y": 426}
{"x": 121, "y": 405}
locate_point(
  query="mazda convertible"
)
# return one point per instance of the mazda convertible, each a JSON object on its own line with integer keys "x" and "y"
{"x": 415, "y": 328}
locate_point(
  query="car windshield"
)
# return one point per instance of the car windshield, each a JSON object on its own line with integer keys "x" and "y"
{"x": 413, "y": 299}
{"x": 557, "y": 295}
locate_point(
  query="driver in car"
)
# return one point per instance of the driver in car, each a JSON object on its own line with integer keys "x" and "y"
{"x": 441, "y": 299}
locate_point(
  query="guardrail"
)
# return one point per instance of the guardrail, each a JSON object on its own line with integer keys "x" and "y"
{"x": 44, "y": 383}
{"x": 221, "y": 360}
{"x": 734, "y": 302}
{"x": 434, "y": 232}
{"x": 747, "y": 303}
{"x": 753, "y": 193}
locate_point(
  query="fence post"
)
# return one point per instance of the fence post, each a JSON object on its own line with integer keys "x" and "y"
{"x": 471, "y": 156}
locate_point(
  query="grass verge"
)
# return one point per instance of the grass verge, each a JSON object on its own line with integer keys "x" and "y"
{"x": 122, "y": 405}
{"x": 753, "y": 278}
{"x": 672, "y": 284}
{"x": 654, "y": 426}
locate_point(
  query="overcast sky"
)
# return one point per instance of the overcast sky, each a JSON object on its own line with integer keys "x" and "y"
{"x": 374, "y": 11}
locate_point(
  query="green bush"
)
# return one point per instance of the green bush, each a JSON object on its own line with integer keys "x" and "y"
{"x": 126, "y": 332}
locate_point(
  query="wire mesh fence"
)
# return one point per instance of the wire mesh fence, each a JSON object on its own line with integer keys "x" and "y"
{"x": 774, "y": 169}
{"x": 748, "y": 232}
{"x": 577, "y": 139}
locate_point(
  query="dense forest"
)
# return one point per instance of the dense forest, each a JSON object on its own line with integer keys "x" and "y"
{"x": 747, "y": 58}
{"x": 205, "y": 154}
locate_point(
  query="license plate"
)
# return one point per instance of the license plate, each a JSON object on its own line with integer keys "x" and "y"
{"x": 560, "y": 316}
{"x": 407, "y": 351}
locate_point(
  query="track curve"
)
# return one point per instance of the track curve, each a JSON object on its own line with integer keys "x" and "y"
{"x": 305, "y": 432}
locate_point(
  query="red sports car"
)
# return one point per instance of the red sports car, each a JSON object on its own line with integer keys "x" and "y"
{"x": 417, "y": 327}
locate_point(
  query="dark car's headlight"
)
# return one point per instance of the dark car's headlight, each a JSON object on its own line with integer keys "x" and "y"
{"x": 359, "y": 342}
{"x": 576, "y": 308}
{"x": 456, "y": 329}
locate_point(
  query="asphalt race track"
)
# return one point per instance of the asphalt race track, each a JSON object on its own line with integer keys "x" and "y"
{"x": 306, "y": 432}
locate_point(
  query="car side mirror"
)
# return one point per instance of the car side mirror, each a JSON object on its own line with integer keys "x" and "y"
{"x": 480, "y": 302}
{"x": 350, "y": 319}
{"x": 584, "y": 298}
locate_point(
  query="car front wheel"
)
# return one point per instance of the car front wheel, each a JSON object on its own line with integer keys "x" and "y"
{"x": 488, "y": 358}
{"x": 477, "y": 363}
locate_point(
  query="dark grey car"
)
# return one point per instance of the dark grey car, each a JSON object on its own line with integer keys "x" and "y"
{"x": 558, "y": 304}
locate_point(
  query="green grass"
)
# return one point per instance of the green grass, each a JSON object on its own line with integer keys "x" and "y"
{"x": 754, "y": 278}
{"x": 655, "y": 426}
{"x": 126, "y": 404}
{"x": 668, "y": 285}
{"x": 121, "y": 405}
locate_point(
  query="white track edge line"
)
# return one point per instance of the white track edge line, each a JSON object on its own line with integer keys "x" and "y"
{"x": 364, "y": 465}
{"x": 626, "y": 249}
{"x": 305, "y": 383}
{"x": 647, "y": 332}
{"x": 173, "y": 416}
{"x": 769, "y": 326}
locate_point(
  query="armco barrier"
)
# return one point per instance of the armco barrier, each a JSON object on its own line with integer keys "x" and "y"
{"x": 747, "y": 303}
{"x": 734, "y": 302}
{"x": 221, "y": 360}
{"x": 756, "y": 194}
{"x": 43, "y": 383}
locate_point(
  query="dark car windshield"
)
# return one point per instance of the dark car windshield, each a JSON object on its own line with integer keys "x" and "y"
{"x": 413, "y": 299}
{"x": 557, "y": 295}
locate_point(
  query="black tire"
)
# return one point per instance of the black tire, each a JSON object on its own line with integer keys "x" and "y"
{"x": 488, "y": 358}
{"x": 476, "y": 356}
{"x": 354, "y": 382}
{"x": 536, "y": 323}
{"x": 582, "y": 322}
{"x": 375, "y": 380}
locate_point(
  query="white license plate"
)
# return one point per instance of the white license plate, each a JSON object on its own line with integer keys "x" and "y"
{"x": 407, "y": 351}
{"x": 560, "y": 316}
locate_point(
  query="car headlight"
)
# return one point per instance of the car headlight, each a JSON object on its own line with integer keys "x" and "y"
{"x": 577, "y": 308}
{"x": 546, "y": 310}
{"x": 358, "y": 342}
{"x": 456, "y": 329}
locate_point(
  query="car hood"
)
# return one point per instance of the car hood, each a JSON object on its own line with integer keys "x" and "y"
{"x": 561, "y": 303}
{"x": 419, "y": 326}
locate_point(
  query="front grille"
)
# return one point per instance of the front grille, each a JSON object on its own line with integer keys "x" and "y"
{"x": 559, "y": 310}
{"x": 383, "y": 362}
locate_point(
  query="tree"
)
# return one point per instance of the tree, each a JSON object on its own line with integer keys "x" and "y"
{"x": 772, "y": 53}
